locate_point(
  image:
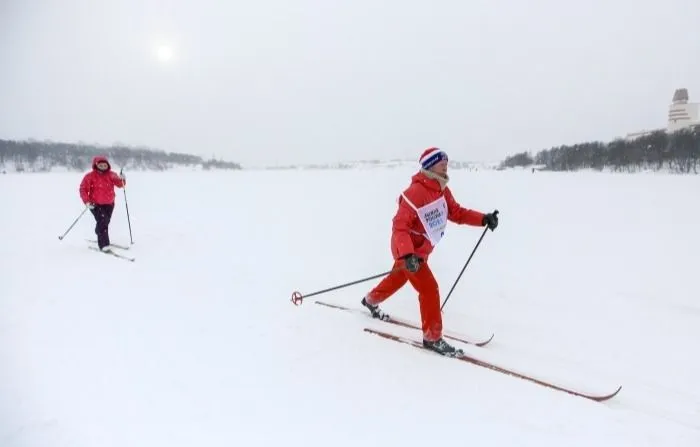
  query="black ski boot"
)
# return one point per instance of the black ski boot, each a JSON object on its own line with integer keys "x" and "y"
{"x": 375, "y": 310}
{"x": 443, "y": 348}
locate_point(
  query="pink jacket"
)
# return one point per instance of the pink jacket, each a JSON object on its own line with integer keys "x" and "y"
{"x": 97, "y": 186}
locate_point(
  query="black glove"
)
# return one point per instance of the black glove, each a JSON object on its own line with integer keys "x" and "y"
{"x": 490, "y": 220}
{"x": 412, "y": 262}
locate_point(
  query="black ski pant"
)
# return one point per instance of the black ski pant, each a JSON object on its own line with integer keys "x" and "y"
{"x": 103, "y": 214}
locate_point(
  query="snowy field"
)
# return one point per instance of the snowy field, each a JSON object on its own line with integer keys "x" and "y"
{"x": 590, "y": 281}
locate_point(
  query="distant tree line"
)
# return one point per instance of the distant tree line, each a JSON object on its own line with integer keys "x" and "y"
{"x": 678, "y": 152}
{"x": 42, "y": 156}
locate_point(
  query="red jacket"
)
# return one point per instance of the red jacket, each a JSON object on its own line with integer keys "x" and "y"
{"x": 407, "y": 230}
{"x": 97, "y": 186}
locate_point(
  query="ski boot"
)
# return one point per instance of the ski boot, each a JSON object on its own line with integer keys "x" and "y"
{"x": 442, "y": 347}
{"x": 375, "y": 310}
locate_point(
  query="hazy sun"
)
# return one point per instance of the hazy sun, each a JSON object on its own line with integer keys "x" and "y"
{"x": 164, "y": 53}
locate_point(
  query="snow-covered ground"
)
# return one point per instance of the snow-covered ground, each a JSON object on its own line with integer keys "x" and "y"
{"x": 590, "y": 281}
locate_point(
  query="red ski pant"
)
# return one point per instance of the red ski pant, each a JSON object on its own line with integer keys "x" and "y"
{"x": 425, "y": 284}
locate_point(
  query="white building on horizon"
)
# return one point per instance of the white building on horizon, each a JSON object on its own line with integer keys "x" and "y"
{"x": 681, "y": 114}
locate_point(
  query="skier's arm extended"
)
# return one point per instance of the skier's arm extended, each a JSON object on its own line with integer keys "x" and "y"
{"x": 460, "y": 215}
{"x": 118, "y": 181}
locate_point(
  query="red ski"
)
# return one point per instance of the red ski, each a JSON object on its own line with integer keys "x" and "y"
{"x": 407, "y": 324}
{"x": 467, "y": 358}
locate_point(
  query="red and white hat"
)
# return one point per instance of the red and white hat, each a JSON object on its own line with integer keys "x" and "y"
{"x": 431, "y": 157}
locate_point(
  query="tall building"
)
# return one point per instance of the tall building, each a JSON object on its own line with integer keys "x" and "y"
{"x": 682, "y": 113}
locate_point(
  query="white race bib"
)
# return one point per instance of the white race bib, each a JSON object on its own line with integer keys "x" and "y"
{"x": 433, "y": 216}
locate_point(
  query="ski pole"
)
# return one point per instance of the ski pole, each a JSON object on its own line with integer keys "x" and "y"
{"x": 297, "y": 297}
{"x": 126, "y": 203}
{"x": 466, "y": 264}
{"x": 60, "y": 238}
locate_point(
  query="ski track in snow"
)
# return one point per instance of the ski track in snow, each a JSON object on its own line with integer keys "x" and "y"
{"x": 589, "y": 282}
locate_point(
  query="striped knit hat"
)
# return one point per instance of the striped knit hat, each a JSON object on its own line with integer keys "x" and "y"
{"x": 431, "y": 157}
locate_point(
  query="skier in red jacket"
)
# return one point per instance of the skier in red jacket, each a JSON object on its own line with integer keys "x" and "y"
{"x": 97, "y": 193}
{"x": 424, "y": 209}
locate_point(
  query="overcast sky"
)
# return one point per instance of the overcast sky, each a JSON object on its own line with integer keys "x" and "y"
{"x": 275, "y": 81}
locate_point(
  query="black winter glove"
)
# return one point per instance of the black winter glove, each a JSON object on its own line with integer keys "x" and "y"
{"x": 490, "y": 220}
{"x": 412, "y": 263}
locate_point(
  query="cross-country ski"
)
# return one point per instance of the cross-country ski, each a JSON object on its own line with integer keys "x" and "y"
{"x": 113, "y": 253}
{"x": 112, "y": 245}
{"x": 500, "y": 369}
{"x": 408, "y": 324}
